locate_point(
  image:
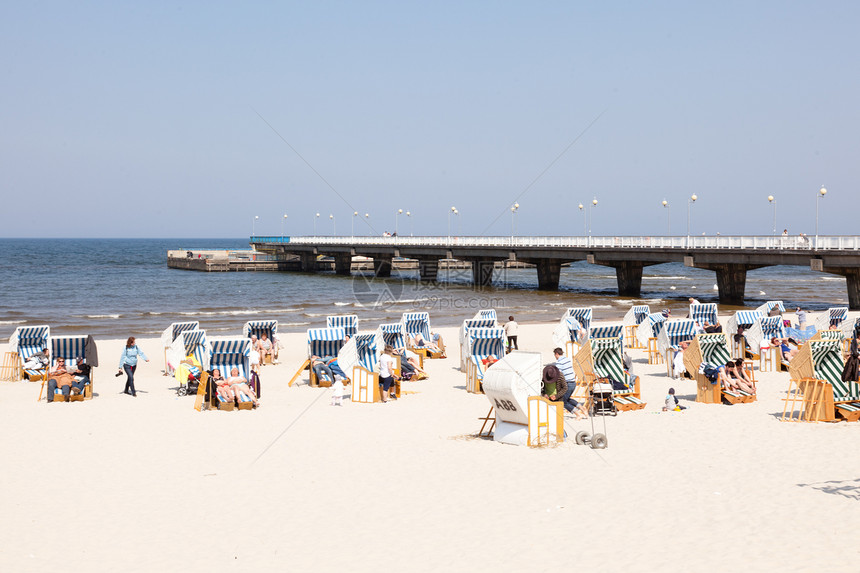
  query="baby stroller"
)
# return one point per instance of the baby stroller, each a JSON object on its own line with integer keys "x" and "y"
{"x": 189, "y": 384}
{"x": 601, "y": 405}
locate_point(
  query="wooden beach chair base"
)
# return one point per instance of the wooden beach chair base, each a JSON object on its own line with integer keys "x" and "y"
{"x": 630, "y": 339}
{"x": 628, "y": 402}
{"x": 365, "y": 386}
{"x": 654, "y": 356}
{"x": 11, "y": 371}
{"x": 490, "y": 418}
{"x": 246, "y": 405}
{"x": 546, "y": 422}
{"x": 226, "y": 406}
{"x": 473, "y": 382}
{"x": 848, "y": 411}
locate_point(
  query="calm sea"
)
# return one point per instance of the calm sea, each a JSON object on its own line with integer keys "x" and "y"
{"x": 113, "y": 288}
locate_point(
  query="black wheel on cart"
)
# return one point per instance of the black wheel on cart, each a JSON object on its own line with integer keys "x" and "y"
{"x": 182, "y": 391}
{"x": 581, "y": 437}
{"x": 598, "y": 442}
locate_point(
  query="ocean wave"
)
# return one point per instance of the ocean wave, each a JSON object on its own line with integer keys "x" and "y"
{"x": 666, "y": 278}
{"x": 11, "y": 321}
{"x": 833, "y": 278}
{"x": 237, "y": 312}
{"x": 342, "y": 303}
{"x": 102, "y": 316}
{"x": 296, "y": 323}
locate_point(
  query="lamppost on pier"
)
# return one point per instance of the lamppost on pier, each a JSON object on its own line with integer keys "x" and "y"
{"x": 254, "y": 225}
{"x": 591, "y": 217}
{"x": 333, "y": 225}
{"x": 453, "y": 211}
{"x": 821, "y": 193}
{"x": 367, "y": 220}
{"x": 409, "y": 216}
{"x": 396, "y": 216}
{"x": 771, "y": 200}
{"x": 690, "y": 202}
{"x": 584, "y": 220}
{"x": 354, "y": 215}
{"x": 315, "y": 224}
{"x": 668, "y": 218}
{"x": 514, "y": 209}
{"x": 283, "y": 221}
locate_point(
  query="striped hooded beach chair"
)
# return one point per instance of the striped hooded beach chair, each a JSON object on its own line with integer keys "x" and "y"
{"x": 583, "y": 315}
{"x": 767, "y": 307}
{"x": 394, "y": 335}
{"x": 71, "y": 348}
{"x": 476, "y": 321}
{"x": 567, "y": 335}
{"x": 704, "y": 313}
{"x": 816, "y": 373}
{"x": 604, "y": 358}
{"x": 324, "y": 342}
{"x": 359, "y": 359}
{"x": 415, "y": 323}
{"x": 616, "y": 331}
{"x": 169, "y": 335}
{"x": 632, "y": 319}
{"x": 712, "y": 349}
{"x": 226, "y": 354}
{"x": 832, "y": 316}
{"x": 260, "y": 327}
{"x": 483, "y": 343}
{"x": 488, "y": 313}
{"x": 673, "y": 333}
{"x": 348, "y": 322}
{"x": 742, "y": 319}
{"x": 650, "y": 328}
{"x": 189, "y": 343}
{"x": 27, "y": 341}
{"x": 763, "y": 330}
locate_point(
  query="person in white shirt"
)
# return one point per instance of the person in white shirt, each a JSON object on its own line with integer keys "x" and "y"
{"x": 387, "y": 365}
{"x": 511, "y": 331}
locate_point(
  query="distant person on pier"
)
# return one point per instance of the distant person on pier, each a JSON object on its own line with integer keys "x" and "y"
{"x": 785, "y": 232}
{"x": 511, "y": 331}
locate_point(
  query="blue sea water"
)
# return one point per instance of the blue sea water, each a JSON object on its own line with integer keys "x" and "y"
{"x": 114, "y": 288}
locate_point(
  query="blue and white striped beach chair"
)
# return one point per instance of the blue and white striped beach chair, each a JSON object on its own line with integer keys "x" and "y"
{"x": 616, "y": 331}
{"x": 359, "y": 359}
{"x": 673, "y": 333}
{"x": 394, "y": 335}
{"x": 487, "y": 313}
{"x": 816, "y": 373}
{"x": 568, "y": 335}
{"x": 415, "y": 323}
{"x": 482, "y": 344}
{"x": 742, "y": 319}
{"x": 704, "y": 314}
{"x": 474, "y": 322}
{"x": 763, "y": 330}
{"x": 769, "y": 305}
{"x": 71, "y": 348}
{"x": 832, "y": 316}
{"x": 260, "y": 327}
{"x": 188, "y": 343}
{"x": 650, "y": 328}
{"x": 583, "y": 315}
{"x": 169, "y": 335}
{"x": 27, "y": 341}
{"x": 713, "y": 349}
{"x": 604, "y": 358}
{"x": 226, "y": 354}
{"x": 632, "y": 319}
{"x": 324, "y": 342}
{"x": 348, "y": 322}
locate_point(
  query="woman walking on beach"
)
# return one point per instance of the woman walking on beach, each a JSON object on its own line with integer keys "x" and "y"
{"x": 386, "y": 371}
{"x": 128, "y": 362}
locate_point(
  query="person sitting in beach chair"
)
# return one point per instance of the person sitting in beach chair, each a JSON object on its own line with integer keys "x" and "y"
{"x": 60, "y": 378}
{"x": 557, "y": 389}
{"x": 188, "y": 373}
{"x": 241, "y": 390}
{"x": 436, "y": 346}
{"x": 265, "y": 348}
{"x": 221, "y": 387}
{"x": 785, "y": 349}
{"x": 37, "y": 361}
{"x": 738, "y": 378}
{"x": 327, "y": 365}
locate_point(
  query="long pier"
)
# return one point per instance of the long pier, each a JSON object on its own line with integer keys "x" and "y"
{"x": 730, "y": 257}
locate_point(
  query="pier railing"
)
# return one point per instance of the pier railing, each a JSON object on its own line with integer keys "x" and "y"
{"x": 781, "y": 242}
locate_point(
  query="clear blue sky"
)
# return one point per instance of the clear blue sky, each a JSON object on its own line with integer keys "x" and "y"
{"x": 141, "y": 119}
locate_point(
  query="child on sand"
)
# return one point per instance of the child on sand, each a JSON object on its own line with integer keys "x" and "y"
{"x": 337, "y": 393}
{"x": 672, "y": 404}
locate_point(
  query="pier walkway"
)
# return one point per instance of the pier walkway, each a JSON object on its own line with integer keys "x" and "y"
{"x": 730, "y": 257}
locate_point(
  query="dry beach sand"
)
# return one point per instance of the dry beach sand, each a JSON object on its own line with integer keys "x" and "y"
{"x": 142, "y": 484}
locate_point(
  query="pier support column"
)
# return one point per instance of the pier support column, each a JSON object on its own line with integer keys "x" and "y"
{"x": 308, "y": 262}
{"x": 731, "y": 280}
{"x": 343, "y": 264}
{"x": 382, "y": 267}
{"x": 628, "y": 274}
{"x": 482, "y": 272}
{"x": 852, "y": 278}
{"x": 428, "y": 269}
{"x": 549, "y": 273}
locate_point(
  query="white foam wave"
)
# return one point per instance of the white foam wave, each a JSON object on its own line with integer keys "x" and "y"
{"x": 102, "y": 316}
{"x": 662, "y": 278}
{"x": 296, "y": 323}
{"x": 238, "y": 312}
{"x": 833, "y": 278}
{"x": 11, "y": 321}
{"x": 342, "y": 303}
{"x": 601, "y": 306}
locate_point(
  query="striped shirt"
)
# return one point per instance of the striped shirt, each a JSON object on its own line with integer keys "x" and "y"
{"x": 566, "y": 367}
